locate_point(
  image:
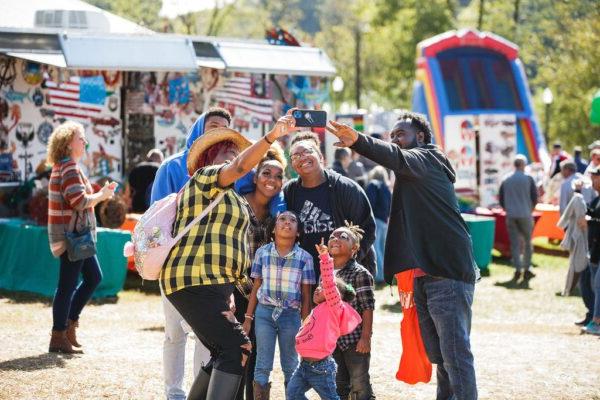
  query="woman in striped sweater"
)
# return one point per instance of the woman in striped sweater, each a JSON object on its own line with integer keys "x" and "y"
{"x": 71, "y": 202}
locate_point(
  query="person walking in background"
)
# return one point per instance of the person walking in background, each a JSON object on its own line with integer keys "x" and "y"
{"x": 171, "y": 176}
{"x": 71, "y": 202}
{"x": 574, "y": 223}
{"x": 342, "y": 159}
{"x": 568, "y": 169}
{"x": 380, "y": 198}
{"x": 427, "y": 233}
{"x": 589, "y": 281}
{"x": 202, "y": 269}
{"x": 315, "y": 342}
{"x": 283, "y": 275}
{"x": 558, "y": 155}
{"x": 356, "y": 170}
{"x": 580, "y": 162}
{"x": 323, "y": 200}
{"x": 141, "y": 178}
{"x": 518, "y": 197}
{"x": 593, "y": 164}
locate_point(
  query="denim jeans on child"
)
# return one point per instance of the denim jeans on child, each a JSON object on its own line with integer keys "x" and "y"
{"x": 268, "y": 330}
{"x": 318, "y": 375}
{"x": 353, "y": 380}
{"x": 71, "y": 296}
{"x": 444, "y": 309}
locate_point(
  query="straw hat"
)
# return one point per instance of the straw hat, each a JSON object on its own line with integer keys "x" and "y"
{"x": 211, "y": 138}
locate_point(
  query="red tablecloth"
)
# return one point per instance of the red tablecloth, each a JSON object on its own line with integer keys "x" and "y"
{"x": 501, "y": 240}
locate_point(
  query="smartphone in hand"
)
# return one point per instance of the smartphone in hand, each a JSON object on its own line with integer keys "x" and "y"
{"x": 310, "y": 118}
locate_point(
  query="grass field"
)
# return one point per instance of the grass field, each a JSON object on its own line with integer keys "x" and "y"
{"x": 523, "y": 339}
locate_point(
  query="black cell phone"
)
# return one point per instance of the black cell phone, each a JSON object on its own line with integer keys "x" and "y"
{"x": 310, "y": 118}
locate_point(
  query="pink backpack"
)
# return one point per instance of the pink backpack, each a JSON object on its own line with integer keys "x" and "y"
{"x": 152, "y": 239}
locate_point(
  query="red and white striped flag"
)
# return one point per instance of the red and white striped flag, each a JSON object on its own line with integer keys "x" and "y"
{"x": 65, "y": 102}
{"x": 237, "y": 91}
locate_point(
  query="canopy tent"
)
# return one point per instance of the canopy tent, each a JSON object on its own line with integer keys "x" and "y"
{"x": 138, "y": 52}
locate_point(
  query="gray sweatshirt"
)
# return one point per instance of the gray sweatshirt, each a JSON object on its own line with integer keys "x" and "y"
{"x": 518, "y": 195}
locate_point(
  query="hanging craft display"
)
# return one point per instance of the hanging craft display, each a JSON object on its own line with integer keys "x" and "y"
{"x": 32, "y": 73}
{"x": 44, "y": 131}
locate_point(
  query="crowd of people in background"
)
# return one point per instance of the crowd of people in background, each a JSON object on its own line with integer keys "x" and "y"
{"x": 573, "y": 184}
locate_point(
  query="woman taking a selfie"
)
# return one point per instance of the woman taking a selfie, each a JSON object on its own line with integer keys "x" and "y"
{"x": 202, "y": 269}
{"x": 72, "y": 232}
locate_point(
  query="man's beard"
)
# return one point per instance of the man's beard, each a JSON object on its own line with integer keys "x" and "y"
{"x": 411, "y": 145}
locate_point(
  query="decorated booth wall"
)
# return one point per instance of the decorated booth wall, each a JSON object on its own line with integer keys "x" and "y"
{"x": 161, "y": 107}
{"x": 35, "y": 98}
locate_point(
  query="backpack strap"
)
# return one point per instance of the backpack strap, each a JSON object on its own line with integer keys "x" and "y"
{"x": 199, "y": 217}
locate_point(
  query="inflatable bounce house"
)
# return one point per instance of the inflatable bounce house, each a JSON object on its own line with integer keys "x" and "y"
{"x": 472, "y": 87}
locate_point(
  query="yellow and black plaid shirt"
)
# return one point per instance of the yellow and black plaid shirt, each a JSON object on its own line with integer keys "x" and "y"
{"x": 214, "y": 251}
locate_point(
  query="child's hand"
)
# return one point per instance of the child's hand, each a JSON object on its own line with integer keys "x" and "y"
{"x": 321, "y": 248}
{"x": 246, "y": 326}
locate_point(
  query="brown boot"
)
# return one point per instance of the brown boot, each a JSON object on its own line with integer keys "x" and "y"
{"x": 60, "y": 344}
{"x": 71, "y": 326}
{"x": 261, "y": 392}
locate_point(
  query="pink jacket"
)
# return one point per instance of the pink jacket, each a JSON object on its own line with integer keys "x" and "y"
{"x": 328, "y": 321}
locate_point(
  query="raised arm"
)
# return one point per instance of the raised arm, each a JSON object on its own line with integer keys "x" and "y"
{"x": 251, "y": 156}
{"x": 404, "y": 163}
{"x": 330, "y": 290}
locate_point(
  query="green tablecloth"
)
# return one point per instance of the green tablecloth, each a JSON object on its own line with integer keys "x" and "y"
{"x": 482, "y": 236}
{"x": 26, "y": 263}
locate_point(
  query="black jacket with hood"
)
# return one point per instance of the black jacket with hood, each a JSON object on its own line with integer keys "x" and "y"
{"x": 348, "y": 203}
{"x": 425, "y": 229}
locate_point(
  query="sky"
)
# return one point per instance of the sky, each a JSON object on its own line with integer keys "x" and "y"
{"x": 173, "y": 8}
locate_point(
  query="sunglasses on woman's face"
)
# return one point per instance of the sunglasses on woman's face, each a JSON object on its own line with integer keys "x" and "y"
{"x": 340, "y": 236}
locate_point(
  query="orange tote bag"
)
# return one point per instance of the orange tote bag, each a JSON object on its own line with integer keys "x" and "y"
{"x": 414, "y": 365}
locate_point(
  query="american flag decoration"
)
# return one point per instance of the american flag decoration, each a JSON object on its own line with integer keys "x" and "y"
{"x": 238, "y": 92}
{"x": 70, "y": 100}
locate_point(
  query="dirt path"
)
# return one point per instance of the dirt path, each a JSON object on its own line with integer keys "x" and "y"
{"x": 524, "y": 341}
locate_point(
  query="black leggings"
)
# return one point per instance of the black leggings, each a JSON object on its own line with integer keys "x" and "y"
{"x": 202, "y": 308}
{"x": 241, "y": 306}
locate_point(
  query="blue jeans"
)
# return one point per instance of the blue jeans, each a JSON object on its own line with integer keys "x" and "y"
{"x": 71, "y": 297}
{"x": 319, "y": 375}
{"x": 267, "y": 330}
{"x": 586, "y": 283}
{"x": 595, "y": 283}
{"x": 444, "y": 310}
{"x": 380, "y": 235}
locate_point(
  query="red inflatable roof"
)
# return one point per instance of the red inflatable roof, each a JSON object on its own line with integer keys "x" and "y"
{"x": 468, "y": 38}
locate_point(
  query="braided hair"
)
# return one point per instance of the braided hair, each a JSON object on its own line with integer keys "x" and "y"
{"x": 356, "y": 231}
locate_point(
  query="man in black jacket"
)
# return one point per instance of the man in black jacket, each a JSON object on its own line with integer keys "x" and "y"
{"x": 427, "y": 233}
{"x": 324, "y": 200}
